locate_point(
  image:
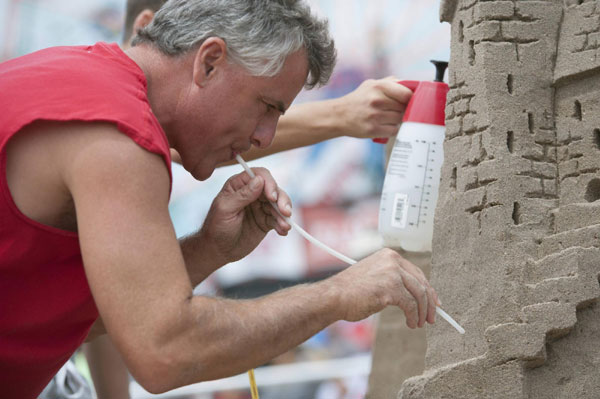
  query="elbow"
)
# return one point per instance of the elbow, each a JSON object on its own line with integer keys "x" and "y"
{"x": 164, "y": 370}
{"x": 157, "y": 384}
{"x": 152, "y": 377}
{"x": 170, "y": 356}
{"x": 155, "y": 387}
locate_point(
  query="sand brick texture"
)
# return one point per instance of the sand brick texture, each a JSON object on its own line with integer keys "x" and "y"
{"x": 516, "y": 252}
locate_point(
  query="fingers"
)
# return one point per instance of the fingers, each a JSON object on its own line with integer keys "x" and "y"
{"x": 390, "y": 118}
{"x": 387, "y": 101}
{"x": 416, "y": 296}
{"x": 432, "y": 303}
{"x": 419, "y": 294}
{"x": 418, "y": 273}
{"x": 284, "y": 203}
{"x": 238, "y": 192}
{"x": 411, "y": 309}
{"x": 241, "y": 191}
{"x": 271, "y": 190}
{"x": 273, "y": 193}
{"x": 262, "y": 207}
{"x": 392, "y": 89}
{"x": 272, "y": 220}
{"x": 388, "y": 96}
{"x": 432, "y": 297}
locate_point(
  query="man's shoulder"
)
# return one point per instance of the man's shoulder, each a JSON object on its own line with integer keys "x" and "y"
{"x": 93, "y": 83}
{"x": 99, "y": 152}
{"x": 103, "y": 140}
{"x": 98, "y": 142}
{"x": 47, "y": 157}
{"x": 87, "y": 75}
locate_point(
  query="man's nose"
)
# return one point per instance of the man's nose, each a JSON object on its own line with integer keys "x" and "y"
{"x": 264, "y": 133}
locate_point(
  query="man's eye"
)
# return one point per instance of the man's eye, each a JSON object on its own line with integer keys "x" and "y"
{"x": 271, "y": 107}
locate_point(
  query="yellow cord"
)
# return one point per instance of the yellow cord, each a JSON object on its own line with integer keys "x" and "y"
{"x": 253, "y": 388}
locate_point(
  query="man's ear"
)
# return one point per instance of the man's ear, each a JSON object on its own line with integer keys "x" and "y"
{"x": 210, "y": 56}
{"x": 142, "y": 20}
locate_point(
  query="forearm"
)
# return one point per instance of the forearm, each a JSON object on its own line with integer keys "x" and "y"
{"x": 230, "y": 337}
{"x": 177, "y": 339}
{"x": 302, "y": 125}
{"x": 108, "y": 371}
{"x": 307, "y": 124}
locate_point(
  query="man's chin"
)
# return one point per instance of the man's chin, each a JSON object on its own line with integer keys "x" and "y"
{"x": 201, "y": 174}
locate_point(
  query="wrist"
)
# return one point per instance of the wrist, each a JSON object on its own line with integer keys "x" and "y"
{"x": 338, "y": 118}
{"x": 332, "y": 293}
{"x": 209, "y": 248}
{"x": 201, "y": 256}
{"x": 328, "y": 118}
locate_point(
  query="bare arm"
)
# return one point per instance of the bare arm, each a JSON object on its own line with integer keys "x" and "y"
{"x": 137, "y": 274}
{"x": 138, "y": 277}
{"x": 373, "y": 110}
{"x": 108, "y": 371}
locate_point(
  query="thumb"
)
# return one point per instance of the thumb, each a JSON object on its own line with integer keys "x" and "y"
{"x": 245, "y": 195}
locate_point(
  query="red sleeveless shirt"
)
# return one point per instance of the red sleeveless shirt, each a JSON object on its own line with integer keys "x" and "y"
{"x": 46, "y": 307}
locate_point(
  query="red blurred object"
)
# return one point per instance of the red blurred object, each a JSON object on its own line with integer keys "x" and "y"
{"x": 382, "y": 140}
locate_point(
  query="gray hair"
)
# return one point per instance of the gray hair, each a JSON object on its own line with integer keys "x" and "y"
{"x": 260, "y": 34}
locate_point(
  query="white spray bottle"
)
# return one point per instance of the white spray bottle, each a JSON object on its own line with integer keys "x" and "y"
{"x": 410, "y": 189}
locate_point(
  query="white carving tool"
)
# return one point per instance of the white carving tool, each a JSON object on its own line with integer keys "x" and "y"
{"x": 332, "y": 251}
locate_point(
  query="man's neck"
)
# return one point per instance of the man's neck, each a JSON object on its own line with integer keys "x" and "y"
{"x": 167, "y": 77}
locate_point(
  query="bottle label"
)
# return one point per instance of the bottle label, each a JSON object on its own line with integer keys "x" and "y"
{"x": 400, "y": 213}
{"x": 400, "y": 159}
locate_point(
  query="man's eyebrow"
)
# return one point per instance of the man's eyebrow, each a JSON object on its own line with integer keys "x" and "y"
{"x": 278, "y": 104}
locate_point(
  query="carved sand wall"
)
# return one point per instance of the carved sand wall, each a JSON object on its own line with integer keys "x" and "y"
{"x": 516, "y": 253}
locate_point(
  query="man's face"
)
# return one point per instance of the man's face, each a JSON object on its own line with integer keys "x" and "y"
{"x": 234, "y": 112}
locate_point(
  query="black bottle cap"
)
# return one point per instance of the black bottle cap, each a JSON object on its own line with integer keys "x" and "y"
{"x": 440, "y": 67}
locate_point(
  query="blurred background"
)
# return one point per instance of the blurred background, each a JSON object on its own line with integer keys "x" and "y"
{"x": 335, "y": 185}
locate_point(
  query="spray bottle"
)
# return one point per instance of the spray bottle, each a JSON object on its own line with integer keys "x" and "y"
{"x": 410, "y": 189}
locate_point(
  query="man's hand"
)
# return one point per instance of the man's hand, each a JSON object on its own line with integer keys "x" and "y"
{"x": 384, "y": 279}
{"x": 241, "y": 215}
{"x": 375, "y": 109}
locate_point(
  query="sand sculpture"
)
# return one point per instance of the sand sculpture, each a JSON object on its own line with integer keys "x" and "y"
{"x": 516, "y": 251}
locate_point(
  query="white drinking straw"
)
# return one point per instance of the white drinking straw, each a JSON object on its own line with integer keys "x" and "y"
{"x": 332, "y": 251}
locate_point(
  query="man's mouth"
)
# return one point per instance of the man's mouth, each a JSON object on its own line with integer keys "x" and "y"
{"x": 238, "y": 151}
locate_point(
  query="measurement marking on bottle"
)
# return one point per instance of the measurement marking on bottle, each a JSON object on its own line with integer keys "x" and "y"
{"x": 424, "y": 181}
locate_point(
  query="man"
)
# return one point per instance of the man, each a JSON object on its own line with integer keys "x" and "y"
{"x": 372, "y": 110}
{"x": 85, "y": 176}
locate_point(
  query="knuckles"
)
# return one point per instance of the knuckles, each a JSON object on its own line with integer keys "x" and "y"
{"x": 264, "y": 173}
{"x": 389, "y": 255}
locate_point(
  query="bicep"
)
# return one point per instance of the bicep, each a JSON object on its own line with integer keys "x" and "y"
{"x": 131, "y": 256}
